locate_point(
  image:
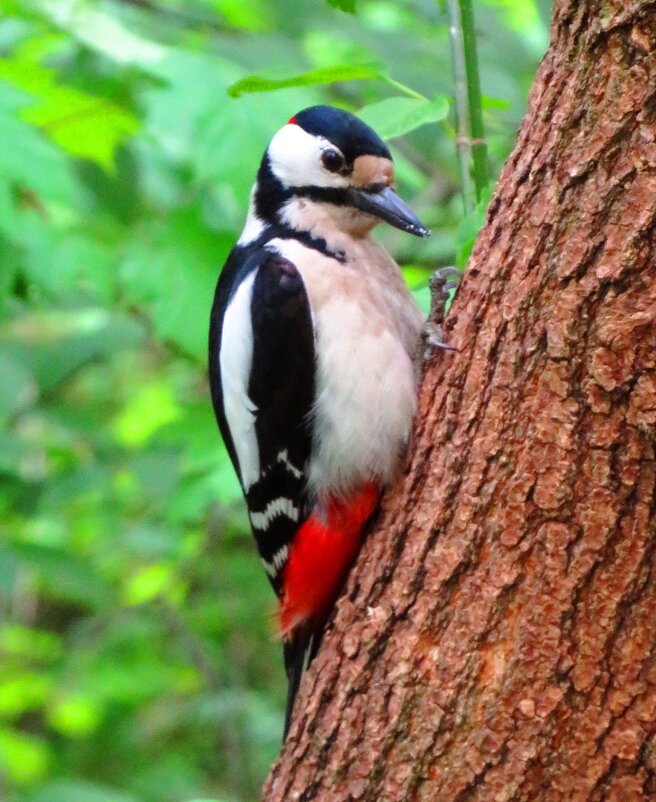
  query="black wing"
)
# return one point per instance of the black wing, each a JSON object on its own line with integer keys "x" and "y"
{"x": 278, "y": 392}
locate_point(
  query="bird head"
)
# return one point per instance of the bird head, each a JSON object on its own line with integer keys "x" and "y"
{"x": 326, "y": 164}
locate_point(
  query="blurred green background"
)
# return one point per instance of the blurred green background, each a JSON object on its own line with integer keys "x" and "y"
{"x": 137, "y": 662}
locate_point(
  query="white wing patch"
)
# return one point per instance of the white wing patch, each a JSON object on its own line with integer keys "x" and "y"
{"x": 279, "y": 506}
{"x": 235, "y": 363}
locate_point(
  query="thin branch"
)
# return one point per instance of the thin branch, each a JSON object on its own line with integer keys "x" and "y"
{"x": 476, "y": 129}
{"x": 470, "y": 138}
{"x": 463, "y": 145}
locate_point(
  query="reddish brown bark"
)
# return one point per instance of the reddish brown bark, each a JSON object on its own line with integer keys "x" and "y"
{"x": 497, "y": 640}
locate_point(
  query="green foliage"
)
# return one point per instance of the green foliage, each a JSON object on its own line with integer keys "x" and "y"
{"x": 344, "y": 5}
{"x": 396, "y": 116}
{"x": 137, "y": 662}
{"x": 80, "y": 123}
{"x": 322, "y": 75}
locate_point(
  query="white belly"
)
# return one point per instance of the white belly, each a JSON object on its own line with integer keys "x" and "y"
{"x": 367, "y": 326}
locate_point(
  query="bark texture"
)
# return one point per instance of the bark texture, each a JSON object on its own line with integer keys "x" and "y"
{"x": 497, "y": 638}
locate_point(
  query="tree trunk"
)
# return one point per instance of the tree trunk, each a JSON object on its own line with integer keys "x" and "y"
{"x": 497, "y": 638}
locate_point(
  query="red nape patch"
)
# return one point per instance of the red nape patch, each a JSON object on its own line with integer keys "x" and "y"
{"x": 320, "y": 556}
{"x": 292, "y": 120}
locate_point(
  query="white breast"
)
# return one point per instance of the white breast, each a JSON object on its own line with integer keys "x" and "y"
{"x": 367, "y": 326}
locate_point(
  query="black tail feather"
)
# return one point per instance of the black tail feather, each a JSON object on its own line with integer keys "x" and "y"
{"x": 299, "y": 651}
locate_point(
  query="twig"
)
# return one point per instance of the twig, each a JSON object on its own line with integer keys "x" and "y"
{"x": 477, "y": 131}
{"x": 470, "y": 140}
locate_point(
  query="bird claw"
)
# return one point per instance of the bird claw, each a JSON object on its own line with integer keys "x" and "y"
{"x": 451, "y": 285}
{"x": 434, "y": 338}
{"x": 442, "y": 273}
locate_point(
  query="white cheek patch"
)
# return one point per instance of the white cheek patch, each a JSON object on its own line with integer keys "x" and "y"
{"x": 295, "y": 158}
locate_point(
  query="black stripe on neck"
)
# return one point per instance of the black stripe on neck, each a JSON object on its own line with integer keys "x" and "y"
{"x": 283, "y": 231}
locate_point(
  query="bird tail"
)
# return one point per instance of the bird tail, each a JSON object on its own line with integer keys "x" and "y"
{"x": 299, "y": 649}
{"x": 322, "y": 551}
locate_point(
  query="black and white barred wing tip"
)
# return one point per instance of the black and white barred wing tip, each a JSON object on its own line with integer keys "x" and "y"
{"x": 276, "y": 510}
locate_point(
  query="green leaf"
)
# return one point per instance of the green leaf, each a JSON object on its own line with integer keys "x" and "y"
{"x": 399, "y": 115}
{"x": 255, "y": 15}
{"x": 343, "y": 5}
{"x": 322, "y": 75}
{"x": 25, "y": 692}
{"x": 149, "y": 408}
{"x": 64, "y": 262}
{"x": 104, "y": 33}
{"x": 83, "y": 125}
{"x": 32, "y": 164}
{"x": 28, "y": 644}
{"x": 23, "y": 758}
{"x": 74, "y": 715}
{"x": 147, "y": 583}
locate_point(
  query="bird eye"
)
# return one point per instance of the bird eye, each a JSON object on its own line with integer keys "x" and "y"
{"x": 332, "y": 160}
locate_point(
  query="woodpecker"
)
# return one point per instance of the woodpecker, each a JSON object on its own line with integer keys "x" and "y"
{"x": 313, "y": 335}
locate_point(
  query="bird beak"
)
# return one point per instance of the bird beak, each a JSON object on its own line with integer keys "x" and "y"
{"x": 387, "y": 205}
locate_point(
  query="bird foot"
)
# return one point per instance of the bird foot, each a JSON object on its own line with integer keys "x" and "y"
{"x": 440, "y": 283}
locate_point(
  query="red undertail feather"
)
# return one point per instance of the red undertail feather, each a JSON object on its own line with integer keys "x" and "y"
{"x": 322, "y": 552}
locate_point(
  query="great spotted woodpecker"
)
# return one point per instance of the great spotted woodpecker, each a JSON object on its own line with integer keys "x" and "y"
{"x": 312, "y": 340}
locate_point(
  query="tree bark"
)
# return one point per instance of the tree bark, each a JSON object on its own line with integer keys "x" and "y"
{"x": 497, "y": 637}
